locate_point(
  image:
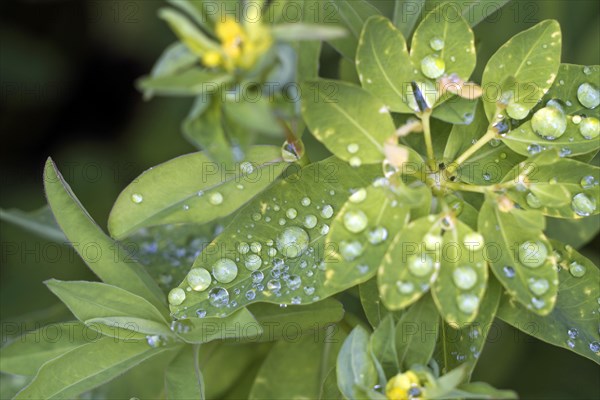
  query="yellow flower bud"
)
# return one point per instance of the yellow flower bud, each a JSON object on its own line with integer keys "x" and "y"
{"x": 398, "y": 387}
{"x": 397, "y": 394}
{"x": 211, "y": 59}
{"x": 229, "y": 30}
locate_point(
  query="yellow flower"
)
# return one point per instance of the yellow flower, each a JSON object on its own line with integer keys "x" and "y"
{"x": 399, "y": 387}
{"x": 211, "y": 59}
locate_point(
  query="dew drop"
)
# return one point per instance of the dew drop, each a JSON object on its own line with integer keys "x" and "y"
{"x": 215, "y": 198}
{"x": 433, "y": 67}
{"x": 576, "y": 269}
{"x": 250, "y": 294}
{"x": 294, "y": 282}
{"x": 324, "y": 229}
{"x": 243, "y": 247}
{"x": 405, "y": 287}
{"x": 572, "y": 332}
{"x": 137, "y": 198}
{"x": 246, "y": 168}
{"x": 199, "y": 279}
{"x": 253, "y": 262}
{"x": 539, "y": 286}
{"x": 352, "y": 148}
{"x": 588, "y": 95}
{"x": 218, "y": 297}
{"x": 467, "y": 303}
{"x": 377, "y": 235}
{"x": 533, "y": 201}
{"x": 359, "y": 196}
{"x": 257, "y": 276}
{"x": 538, "y": 303}
{"x": 473, "y": 241}
{"x": 533, "y": 254}
{"x": 224, "y": 270}
{"x": 517, "y": 111}
{"x": 549, "y": 122}
{"x": 588, "y": 182}
{"x": 309, "y": 290}
{"x": 291, "y": 213}
{"x": 583, "y": 205}
{"x": 310, "y": 221}
{"x": 534, "y": 149}
{"x": 274, "y": 285}
{"x": 200, "y": 313}
{"x": 292, "y": 242}
{"x": 509, "y": 272}
{"x": 589, "y": 128}
{"x": 305, "y": 201}
{"x": 432, "y": 242}
{"x": 464, "y": 277}
{"x": 176, "y": 296}
{"x": 351, "y": 250}
{"x": 420, "y": 265}
{"x": 327, "y": 211}
{"x": 355, "y": 161}
{"x": 595, "y": 347}
{"x": 355, "y": 221}
{"x": 436, "y": 43}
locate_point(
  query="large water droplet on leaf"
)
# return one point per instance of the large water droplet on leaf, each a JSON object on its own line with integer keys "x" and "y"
{"x": 517, "y": 111}
{"x": 589, "y": 128}
{"x": 224, "y": 270}
{"x": 137, "y": 198}
{"x": 199, "y": 279}
{"x": 218, "y": 297}
{"x": 588, "y": 95}
{"x": 549, "y": 122}
{"x": 432, "y": 242}
{"x": 467, "y": 303}
{"x": 420, "y": 265}
{"x": 294, "y": 282}
{"x": 539, "y": 286}
{"x": 473, "y": 241}
{"x": 359, "y": 196}
{"x": 533, "y": 254}
{"x": 292, "y": 242}
{"x": 508, "y": 271}
{"x": 576, "y": 269}
{"x": 310, "y": 221}
{"x": 215, "y": 198}
{"x": 176, "y": 296}
{"x": 377, "y": 235}
{"x": 405, "y": 287}
{"x": 583, "y": 205}
{"x": 464, "y": 277}
{"x": 533, "y": 201}
{"x": 433, "y": 67}
{"x": 588, "y": 182}
{"x": 253, "y": 262}
{"x": 351, "y": 250}
{"x": 355, "y": 221}
{"x": 436, "y": 43}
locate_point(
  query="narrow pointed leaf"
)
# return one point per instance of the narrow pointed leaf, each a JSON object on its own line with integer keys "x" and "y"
{"x": 383, "y": 346}
{"x": 355, "y": 368}
{"x": 110, "y": 262}
{"x": 40, "y": 222}
{"x": 183, "y": 378}
{"x": 190, "y": 82}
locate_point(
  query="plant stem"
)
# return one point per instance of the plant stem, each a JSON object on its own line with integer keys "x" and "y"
{"x": 467, "y": 188}
{"x": 428, "y": 143}
{"x": 489, "y": 135}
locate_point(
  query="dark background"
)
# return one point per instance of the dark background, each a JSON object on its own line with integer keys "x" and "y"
{"x": 67, "y": 73}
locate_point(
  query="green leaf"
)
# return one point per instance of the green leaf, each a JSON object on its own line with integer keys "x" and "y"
{"x": 352, "y": 16}
{"x": 302, "y": 31}
{"x": 383, "y": 346}
{"x": 297, "y": 367}
{"x": 24, "y": 355}
{"x": 304, "y": 320}
{"x": 191, "y": 82}
{"x": 406, "y": 15}
{"x": 474, "y": 11}
{"x": 175, "y": 58}
{"x": 416, "y": 333}
{"x": 192, "y": 188}
{"x": 183, "y": 378}
{"x": 371, "y": 303}
{"x": 482, "y": 390}
{"x": 462, "y": 280}
{"x": 410, "y": 251}
{"x": 456, "y": 110}
{"x": 573, "y": 323}
{"x": 359, "y": 235}
{"x": 237, "y": 326}
{"x": 329, "y": 389}
{"x": 355, "y": 368}
{"x": 187, "y": 32}
{"x": 104, "y": 256}
{"x": 462, "y": 344}
{"x": 351, "y": 123}
{"x": 519, "y": 254}
{"x": 458, "y": 48}
{"x": 571, "y": 143}
{"x": 278, "y": 241}
{"x": 576, "y": 233}
{"x": 532, "y": 58}
{"x": 118, "y": 326}
{"x": 40, "y": 222}
{"x": 557, "y": 187}
{"x": 383, "y": 63}
{"x": 86, "y": 367}
{"x": 88, "y": 300}
{"x": 253, "y": 113}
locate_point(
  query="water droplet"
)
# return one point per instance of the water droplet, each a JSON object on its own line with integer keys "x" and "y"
{"x": 246, "y": 168}
{"x": 215, "y": 198}
{"x": 432, "y": 242}
{"x": 257, "y": 276}
{"x": 588, "y": 182}
{"x": 199, "y": 279}
{"x": 572, "y": 332}
{"x": 534, "y": 149}
{"x": 355, "y": 221}
{"x": 587, "y": 70}
{"x": 433, "y": 67}
{"x": 595, "y": 347}
{"x": 533, "y": 254}
{"x": 310, "y": 221}
{"x": 576, "y": 269}
{"x": 355, "y": 161}
{"x": 532, "y": 200}
{"x": 583, "y": 205}
{"x": 467, "y": 303}
{"x": 464, "y": 277}
{"x": 350, "y": 250}
{"x": 377, "y": 235}
{"x": 243, "y": 248}
{"x": 137, "y": 198}
{"x": 473, "y": 241}
{"x": 218, "y": 297}
{"x": 420, "y": 265}
{"x": 589, "y": 128}
{"x": 305, "y": 201}
{"x": 292, "y": 242}
{"x": 256, "y": 217}
{"x": 224, "y": 270}
{"x": 327, "y": 211}
{"x": 324, "y": 229}
{"x": 538, "y": 286}
{"x": 538, "y": 303}
{"x": 155, "y": 341}
{"x": 352, "y": 148}
{"x": 509, "y": 272}
{"x": 253, "y": 262}
{"x": 296, "y": 300}
{"x": 176, "y": 296}
{"x": 436, "y": 43}
{"x": 576, "y": 119}
{"x": 291, "y": 213}
{"x": 294, "y": 282}
{"x": 200, "y": 313}
{"x": 359, "y": 196}
{"x": 517, "y": 111}
{"x": 309, "y": 290}
{"x": 255, "y": 247}
{"x": 405, "y": 287}
{"x": 564, "y": 152}
{"x": 250, "y": 294}
{"x": 588, "y": 95}
{"x": 549, "y": 122}
{"x": 274, "y": 285}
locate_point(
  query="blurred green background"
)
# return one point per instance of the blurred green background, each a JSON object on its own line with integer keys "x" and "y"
{"x": 67, "y": 72}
